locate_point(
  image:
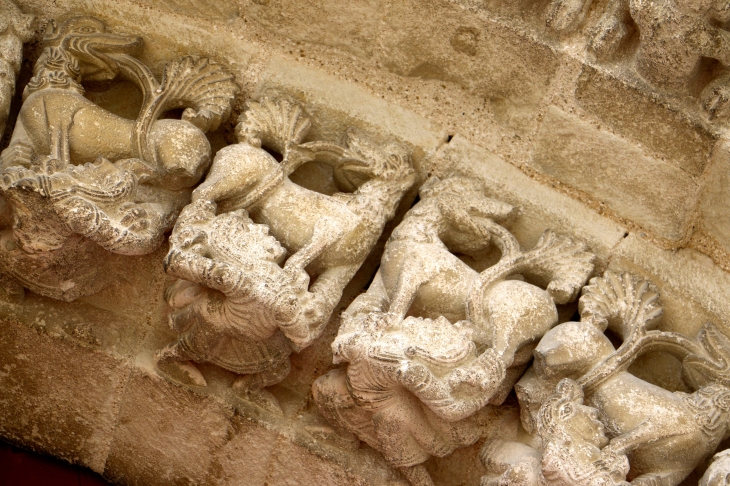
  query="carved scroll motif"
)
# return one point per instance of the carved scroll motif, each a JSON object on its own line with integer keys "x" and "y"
{"x": 79, "y": 180}
{"x": 665, "y": 435}
{"x": 432, "y": 341}
{"x": 264, "y": 261}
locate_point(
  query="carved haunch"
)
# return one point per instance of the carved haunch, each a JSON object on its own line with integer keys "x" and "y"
{"x": 79, "y": 181}
{"x": 432, "y": 341}
{"x": 664, "y": 434}
{"x": 263, "y": 261}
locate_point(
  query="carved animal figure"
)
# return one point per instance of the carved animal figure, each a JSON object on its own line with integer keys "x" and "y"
{"x": 572, "y": 450}
{"x": 77, "y": 178}
{"x": 664, "y": 434}
{"x": 15, "y": 28}
{"x": 235, "y": 306}
{"x": 245, "y": 176}
{"x": 674, "y": 37}
{"x": 413, "y": 386}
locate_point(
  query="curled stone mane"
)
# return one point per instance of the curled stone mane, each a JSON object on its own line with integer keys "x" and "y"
{"x": 55, "y": 69}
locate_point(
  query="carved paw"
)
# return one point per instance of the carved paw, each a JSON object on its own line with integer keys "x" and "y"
{"x": 716, "y": 100}
{"x": 470, "y": 377}
{"x": 562, "y": 15}
{"x": 413, "y": 376}
{"x": 80, "y": 215}
{"x": 134, "y": 217}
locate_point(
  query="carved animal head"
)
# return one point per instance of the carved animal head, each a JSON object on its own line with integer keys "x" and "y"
{"x": 87, "y": 41}
{"x": 463, "y": 205}
{"x": 572, "y": 438}
{"x": 570, "y": 350}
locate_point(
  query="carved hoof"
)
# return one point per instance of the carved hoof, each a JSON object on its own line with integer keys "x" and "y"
{"x": 716, "y": 101}
{"x": 608, "y": 37}
{"x": 182, "y": 372}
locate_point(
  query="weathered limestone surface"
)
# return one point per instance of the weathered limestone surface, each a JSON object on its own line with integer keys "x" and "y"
{"x": 562, "y": 115}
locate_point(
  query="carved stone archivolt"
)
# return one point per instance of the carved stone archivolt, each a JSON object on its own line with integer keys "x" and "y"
{"x": 79, "y": 181}
{"x": 674, "y": 38}
{"x": 459, "y": 314}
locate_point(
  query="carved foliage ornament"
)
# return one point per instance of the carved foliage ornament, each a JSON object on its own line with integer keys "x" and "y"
{"x": 432, "y": 341}
{"x": 79, "y": 181}
{"x": 260, "y": 274}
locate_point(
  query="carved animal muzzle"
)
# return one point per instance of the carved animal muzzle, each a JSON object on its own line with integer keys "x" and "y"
{"x": 86, "y": 39}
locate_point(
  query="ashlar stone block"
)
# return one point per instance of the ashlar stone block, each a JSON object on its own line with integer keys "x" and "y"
{"x": 653, "y": 193}
{"x": 56, "y": 396}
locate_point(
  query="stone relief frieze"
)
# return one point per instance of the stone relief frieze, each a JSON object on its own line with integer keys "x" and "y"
{"x": 432, "y": 341}
{"x": 664, "y": 434}
{"x": 458, "y": 315}
{"x": 79, "y": 181}
{"x": 235, "y": 305}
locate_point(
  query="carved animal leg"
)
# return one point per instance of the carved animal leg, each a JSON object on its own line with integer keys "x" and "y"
{"x": 326, "y": 232}
{"x": 715, "y": 98}
{"x": 417, "y": 475}
{"x": 374, "y": 300}
{"x": 411, "y": 278}
{"x": 251, "y": 387}
{"x": 176, "y": 364}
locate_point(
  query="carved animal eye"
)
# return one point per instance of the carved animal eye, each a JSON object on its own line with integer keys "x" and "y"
{"x": 85, "y": 30}
{"x": 566, "y": 411}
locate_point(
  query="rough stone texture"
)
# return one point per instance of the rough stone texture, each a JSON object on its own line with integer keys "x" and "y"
{"x": 637, "y": 114}
{"x": 57, "y": 396}
{"x": 481, "y": 89}
{"x": 651, "y": 192}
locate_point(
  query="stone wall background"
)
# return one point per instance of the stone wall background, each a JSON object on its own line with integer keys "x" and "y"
{"x": 474, "y": 87}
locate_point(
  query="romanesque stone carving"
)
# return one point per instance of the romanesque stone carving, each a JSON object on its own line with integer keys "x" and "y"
{"x": 432, "y": 341}
{"x": 674, "y": 37}
{"x": 79, "y": 181}
{"x": 236, "y": 306}
{"x": 15, "y": 28}
{"x": 664, "y": 434}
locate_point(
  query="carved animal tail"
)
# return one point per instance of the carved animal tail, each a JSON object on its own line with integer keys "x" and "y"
{"x": 713, "y": 363}
{"x": 561, "y": 264}
{"x": 18, "y": 28}
{"x": 629, "y": 307}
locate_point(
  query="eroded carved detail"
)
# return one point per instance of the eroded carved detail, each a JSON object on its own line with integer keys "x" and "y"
{"x": 79, "y": 181}
{"x": 432, "y": 341}
{"x": 665, "y": 434}
{"x": 236, "y": 306}
{"x": 674, "y": 38}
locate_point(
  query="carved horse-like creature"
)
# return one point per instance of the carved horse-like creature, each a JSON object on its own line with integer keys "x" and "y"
{"x": 413, "y": 386}
{"x": 79, "y": 180}
{"x": 245, "y": 176}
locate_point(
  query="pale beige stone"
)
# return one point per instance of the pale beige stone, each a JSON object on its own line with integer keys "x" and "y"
{"x": 651, "y": 192}
{"x": 694, "y": 290}
{"x": 507, "y": 183}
